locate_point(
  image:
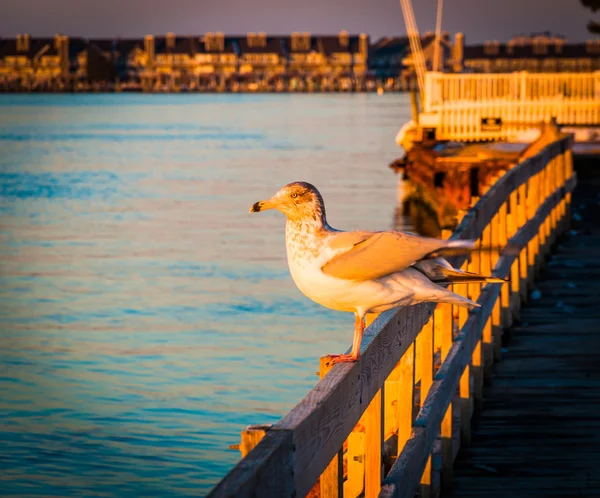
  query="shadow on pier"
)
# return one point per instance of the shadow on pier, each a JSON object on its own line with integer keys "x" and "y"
{"x": 539, "y": 431}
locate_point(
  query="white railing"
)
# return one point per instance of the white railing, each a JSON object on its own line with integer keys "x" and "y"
{"x": 498, "y": 106}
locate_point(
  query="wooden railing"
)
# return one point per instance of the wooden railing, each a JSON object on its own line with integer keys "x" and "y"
{"x": 498, "y": 106}
{"x": 358, "y": 431}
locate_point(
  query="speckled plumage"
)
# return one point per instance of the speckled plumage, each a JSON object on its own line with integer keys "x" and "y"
{"x": 357, "y": 272}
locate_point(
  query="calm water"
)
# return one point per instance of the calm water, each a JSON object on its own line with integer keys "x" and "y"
{"x": 145, "y": 316}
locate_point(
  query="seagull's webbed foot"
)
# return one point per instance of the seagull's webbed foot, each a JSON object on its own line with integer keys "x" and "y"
{"x": 355, "y": 352}
{"x": 342, "y": 358}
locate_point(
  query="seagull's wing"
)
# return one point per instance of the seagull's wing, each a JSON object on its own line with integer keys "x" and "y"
{"x": 347, "y": 240}
{"x": 373, "y": 255}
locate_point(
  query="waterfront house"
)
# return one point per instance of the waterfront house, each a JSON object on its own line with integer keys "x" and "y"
{"x": 168, "y": 61}
{"x": 175, "y": 57}
{"x": 360, "y": 47}
{"x": 219, "y": 56}
{"x": 17, "y": 60}
{"x": 34, "y": 63}
{"x": 51, "y": 63}
{"x": 345, "y": 58}
{"x": 540, "y": 52}
{"x": 305, "y": 59}
{"x": 262, "y": 58}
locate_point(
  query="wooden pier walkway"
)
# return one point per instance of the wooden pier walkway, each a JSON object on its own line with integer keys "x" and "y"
{"x": 539, "y": 431}
{"x": 392, "y": 423}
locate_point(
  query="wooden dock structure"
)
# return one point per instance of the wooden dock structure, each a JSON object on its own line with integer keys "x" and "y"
{"x": 538, "y": 432}
{"x": 392, "y": 423}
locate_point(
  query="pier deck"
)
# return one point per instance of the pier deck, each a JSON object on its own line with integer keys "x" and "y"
{"x": 539, "y": 431}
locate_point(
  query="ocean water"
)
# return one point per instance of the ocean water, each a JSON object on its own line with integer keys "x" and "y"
{"x": 145, "y": 316}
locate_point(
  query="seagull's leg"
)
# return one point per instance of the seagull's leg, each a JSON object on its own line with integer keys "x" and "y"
{"x": 359, "y": 327}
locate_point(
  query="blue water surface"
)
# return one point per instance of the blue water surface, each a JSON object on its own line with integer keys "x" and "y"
{"x": 145, "y": 316}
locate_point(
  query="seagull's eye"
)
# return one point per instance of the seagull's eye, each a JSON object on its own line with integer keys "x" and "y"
{"x": 294, "y": 195}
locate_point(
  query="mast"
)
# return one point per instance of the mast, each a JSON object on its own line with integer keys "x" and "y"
{"x": 437, "y": 62}
{"x": 415, "y": 44}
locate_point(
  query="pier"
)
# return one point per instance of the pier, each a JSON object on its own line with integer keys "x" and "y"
{"x": 394, "y": 422}
{"x": 537, "y": 434}
{"x": 470, "y": 128}
{"x": 472, "y": 107}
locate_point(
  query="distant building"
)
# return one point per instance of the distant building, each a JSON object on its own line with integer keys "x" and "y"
{"x": 262, "y": 57}
{"x": 539, "y": 52}
{"x": 222, "y": 51}
{"x": 304, "y": 56}
{"x": 345, "y": 55}
{"x": 52, "y": 60}
{"x": 257, "y": 61}
{"x": 34, "y": 62}
{"x": 175, "y": 56}
{"x": 17, "y": 57}
{"x": 391, "y": 57}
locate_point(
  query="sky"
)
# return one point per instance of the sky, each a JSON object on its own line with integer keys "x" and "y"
{"x": 480, "y": 20}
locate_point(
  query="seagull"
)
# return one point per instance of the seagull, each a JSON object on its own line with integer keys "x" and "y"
{"x": 363, "y": 272}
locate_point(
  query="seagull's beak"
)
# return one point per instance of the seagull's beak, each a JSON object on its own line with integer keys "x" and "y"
{"x": 263, "y": 206}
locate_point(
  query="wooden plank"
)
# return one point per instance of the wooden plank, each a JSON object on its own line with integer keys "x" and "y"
{"x": 251, "y": 436}
{"x": 447, "y": 448}
{"x": 447, "y": 319}
{"x": 329, "y": 412}
{"x": 355, "y": 483}
{"x": 374, "y": 446}
{"x": 404, "y": 404}
{"x": 477, "y": 366}
{"x": 331, "y": 480}
{"x": 465, "y": 405}
{"x": 407, "y": 470}
{"x": 425, "y": 351}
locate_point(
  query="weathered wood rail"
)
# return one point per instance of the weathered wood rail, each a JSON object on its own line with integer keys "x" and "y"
{"x": 497, "y": 106}
{"x": 392, "y": 422}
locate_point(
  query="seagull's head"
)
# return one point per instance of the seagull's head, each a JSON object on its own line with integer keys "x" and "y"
{"x": 297, "y": 200}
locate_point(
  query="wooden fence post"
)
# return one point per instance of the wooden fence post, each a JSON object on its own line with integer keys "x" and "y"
{"x": 485, "y": 255}
{"x": 425, "y": 352}
{"x": 372, "y": 420}
{"x": 251, "y": 436}
{"x": 332, "y": 477}
{"x": 374, "y": 446}
{"x": 512, "y": 227}
{"x": 523, "y": 254}
{"x": 405, "y": 396}
{"x": 447, "y": 328}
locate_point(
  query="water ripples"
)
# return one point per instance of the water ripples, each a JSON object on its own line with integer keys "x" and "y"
{"x": 145, "y": 316}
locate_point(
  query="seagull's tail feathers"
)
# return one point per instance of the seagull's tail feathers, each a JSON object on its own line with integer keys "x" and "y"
{"x": 441, "y": 272}
{"x": 452, "y": 248}
{"x": 441, "y": 295}
{"x": 453, "y": 298}
{"x": 454, "y": 276}
{"x": 461, "y": 244}
{"x": 427, "y": 291}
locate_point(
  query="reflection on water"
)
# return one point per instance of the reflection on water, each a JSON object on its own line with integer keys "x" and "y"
{"x": 145, "y": 316}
